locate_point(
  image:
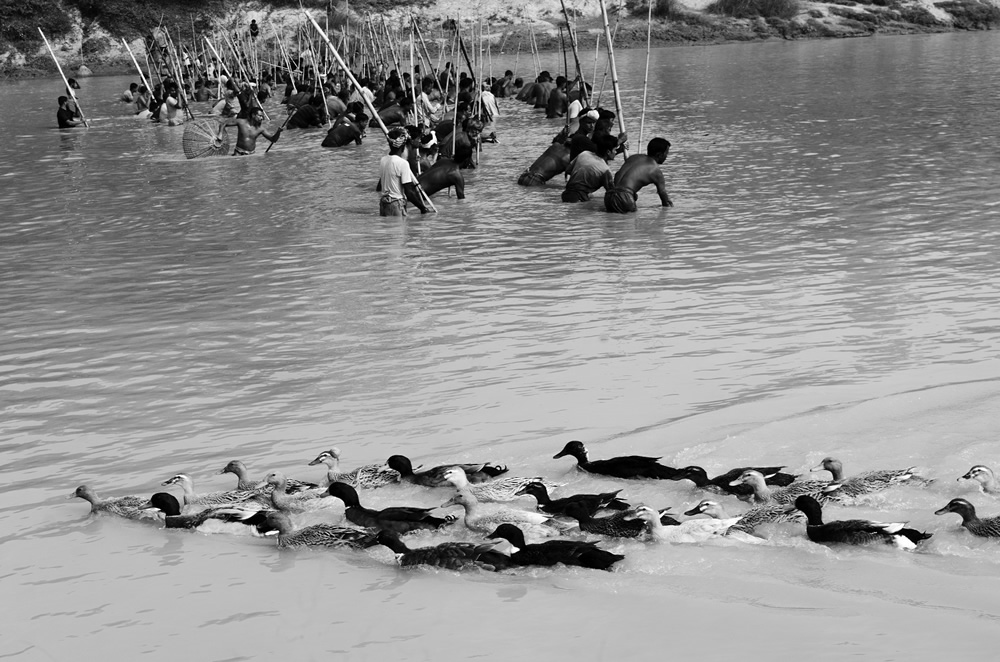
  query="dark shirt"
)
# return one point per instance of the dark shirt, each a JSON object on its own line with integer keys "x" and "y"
{"x": 64, "y": 116}
{"x": 578, "y": 143}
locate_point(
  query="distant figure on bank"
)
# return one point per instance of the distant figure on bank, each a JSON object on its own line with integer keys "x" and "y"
{"x": 396, "y": 181}
{"x": 638, "y": 171}
{"x": 248, "y": 130}
{"x": 589, "y": 171}
{"x": 65, "y": 116}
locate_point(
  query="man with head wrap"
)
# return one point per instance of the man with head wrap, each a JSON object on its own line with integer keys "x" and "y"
{"x": 396, "y": 180}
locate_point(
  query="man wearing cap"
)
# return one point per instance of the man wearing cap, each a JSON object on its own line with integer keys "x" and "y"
{"x": 638, "y": 171}
{"x": 396, "y": 180}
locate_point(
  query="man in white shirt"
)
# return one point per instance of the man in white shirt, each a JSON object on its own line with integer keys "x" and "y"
{"x": 396, "y": 180}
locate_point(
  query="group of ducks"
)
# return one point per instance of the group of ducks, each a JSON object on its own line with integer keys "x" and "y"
{"x": 774, "y": 496}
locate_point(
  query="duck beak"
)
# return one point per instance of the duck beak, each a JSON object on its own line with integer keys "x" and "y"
{"x": 559, "y": 455}
{"x": 220, "y": 471}
{"x": 71, "y": 496}
{"x": 314, "y": 462}
{"x": 694, "y": 511}
{"x": 819, "y": 468}
{"x": 967, "y": 476}
{"x": 942, "y": 511}
{"x": 734, "y": 483}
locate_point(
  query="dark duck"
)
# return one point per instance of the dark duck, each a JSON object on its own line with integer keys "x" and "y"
{"x": 722, "y": 484}
{"x": 552, "y": 552}
{"x": 855, "y": 531}
{"x": 448, "y": 555}
{"x": 435, "y": 477}
{"x": 592, "y": 502}
{"x": 400, "y": 519}
{"x": 626, "y": 466}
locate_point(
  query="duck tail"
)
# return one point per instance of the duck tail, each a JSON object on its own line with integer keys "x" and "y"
{"x": 914, "y": 536}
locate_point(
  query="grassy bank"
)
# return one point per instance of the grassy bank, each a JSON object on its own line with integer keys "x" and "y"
{"x": 90, "y": 31}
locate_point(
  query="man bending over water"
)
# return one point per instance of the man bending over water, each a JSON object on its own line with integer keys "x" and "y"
{"x": 248, "y": 130}
{"x": 638, "y": 171}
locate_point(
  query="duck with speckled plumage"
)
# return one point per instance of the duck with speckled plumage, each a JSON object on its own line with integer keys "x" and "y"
{"x": 988, "y": 527}
{"x": 553, "y": 552}
{"x": 129, "y": 507}
{"x": 764, "y": 494}
{"x": 625, "y": 466}
{"x": 435, "y": 477}
{"x": 477, "y": 519}
{"x": 868, "y": 482}
{"x": 618, "y": 525}
{"x": 447, "y": 555}
{"x": 985, "y": 477}
{"x": 498, "y": 490}
{"x": 401, "y": 519}
{"x": 369, "y": 476}
{"x": 191, "y": 498}
{"x": 244, "y": 482}
{"x": 723, "y": 483}
{"x": 855, "y": 531}
{"x": 317, "y": 535}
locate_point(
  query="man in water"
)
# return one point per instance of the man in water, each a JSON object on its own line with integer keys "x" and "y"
{"x": 65, "y": 116}
{"x": 345, "y": 130}
{"x": 128, "y": 96}
{"x": 396, "y": 180}
{"x": 552, "y": 161}
{"x": 638, "y": 171}
{"x": 248, "y": 130}
{"x": 589, "y": 171}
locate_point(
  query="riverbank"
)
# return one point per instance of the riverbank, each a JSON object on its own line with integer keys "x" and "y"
{"x": 94, "y": 39}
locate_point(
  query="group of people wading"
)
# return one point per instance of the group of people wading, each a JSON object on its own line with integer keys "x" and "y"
{"x": 435, "y": 125}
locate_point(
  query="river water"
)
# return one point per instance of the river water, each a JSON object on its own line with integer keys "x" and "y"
{"x": 827, "y": 284}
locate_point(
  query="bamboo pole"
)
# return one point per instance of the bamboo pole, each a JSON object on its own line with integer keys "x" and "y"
{"x": 72, "y": 94}
{"x": 142, "y": 76}
{"x": 516, "y": 56}
{"x": 367, "y": 103}
{"x": 288, "y": 62}
{"x": 645, "y": 79}
{"x": 614, "y": 71}
{"x": 576, "y": 55}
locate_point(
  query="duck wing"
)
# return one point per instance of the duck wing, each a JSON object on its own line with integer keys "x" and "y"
{"x": 329, "y": 535}
{"x": 614, "y": 526}
{"x": 632, "y": 466}
{"x": 866, "y": 532}
{"x": 987, "y": 527}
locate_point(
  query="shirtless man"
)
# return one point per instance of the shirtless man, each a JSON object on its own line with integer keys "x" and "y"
{"x": 345, "y": 130}
{"x": 638, "y": 171}
{"x": 552, "y": 161}
{"x": 441, "y": 175}
{"x": 589, "y": 171}
{"x": 248, "y": 130}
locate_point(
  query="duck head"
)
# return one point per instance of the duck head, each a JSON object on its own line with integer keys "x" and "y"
{"x": 179, "y": 479}
{"x": 749, "y": 477}
{"x": 574, "y": 448}
{"x": 461, "y": 498}
{"x": 164, "y": 502}
{"x": 401, "y": 464}
{"x": 707, "y": 507}
{"x": 533, "y": 488}
{"x": 510, "y": 533}
{"x": 84, "y": 492}
{"x": 329, "y": 457}
{"x": 695, "y": 474}
{"x": 959, "y": 506}
{"x": 345, "y": 493}
{"x": 810, "y": 507}
{"x": 979, "y": 473}
{"x": 831, "y": 464}
{"x": 391, "y": 540}
{"x": 277, "y": 480}
{"x": 275, "y": 522}
{"x": 457, "y": 477}
{"x": 234, "y": 467}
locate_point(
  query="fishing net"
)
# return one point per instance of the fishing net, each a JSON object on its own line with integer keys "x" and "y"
{"x": 205, "y": 138}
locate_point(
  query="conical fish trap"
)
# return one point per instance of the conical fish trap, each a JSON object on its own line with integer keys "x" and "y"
{"x": 205, "y": 138}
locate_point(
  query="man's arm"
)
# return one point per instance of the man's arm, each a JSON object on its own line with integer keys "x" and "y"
{"x": 273, "y": 137}
{"x": 661, "y": 189}
{"x": 413, "y": 195}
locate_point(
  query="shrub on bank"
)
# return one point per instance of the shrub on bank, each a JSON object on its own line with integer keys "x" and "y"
{"x": 20, "y": 20}
{"x": 971, "y": 15}
{"x": 785, "y": 9}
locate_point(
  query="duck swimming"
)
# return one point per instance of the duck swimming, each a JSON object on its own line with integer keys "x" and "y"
{"x": 369, "y": 476}
{"x": 985, "y": 528}
{"x": 762, "y": 493}
{"x": 281, "y": 500}
{"x": 985, "y": 477}
{"x": 723, "y": 483}
{"x": 214, "y": 498}
{"x": 855, "y": 531}
{"x": 592, "y": 502}
{"x": 168, "y": 504}
{"x": 448, "y": 555}
{"x": 626, "y": 466}
{"x": 129, "y": 507}
{"x": 552, "y": 552}
{"x": 688, "y": 531}
{"x": 476, "y": 473}
{"x": 868, "y": 482}
{"x": 618, "y": 525}
{"x": 769, "y": 513}
{"x": 505, "y": 488}
{"x": 477, "y": 520}
{"x": 317, "y": 535}
{"x": 401, "y": 519}
{"x": 244, "y": 482}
